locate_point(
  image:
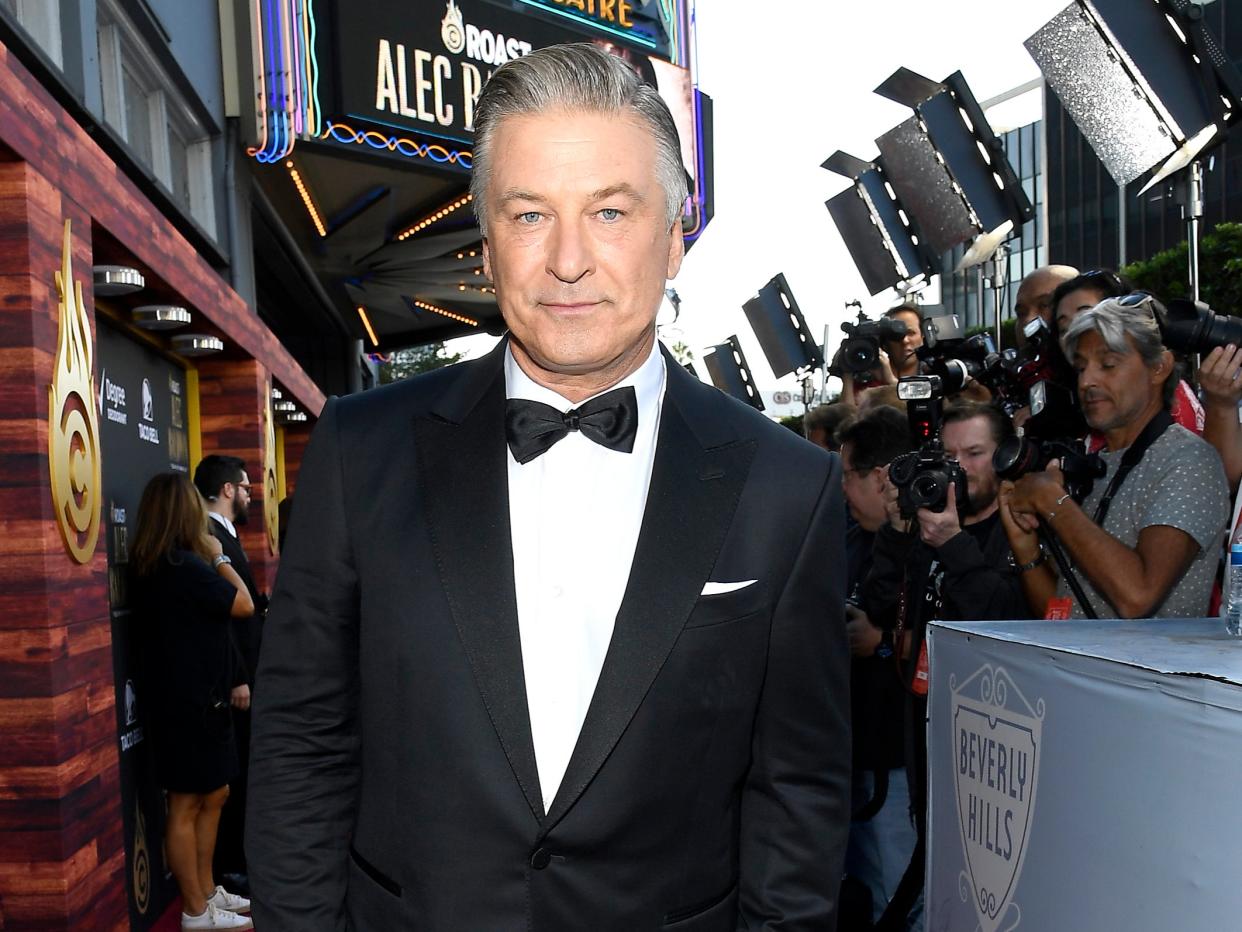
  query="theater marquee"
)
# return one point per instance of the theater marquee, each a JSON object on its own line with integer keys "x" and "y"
{"x": 421, "y": 69}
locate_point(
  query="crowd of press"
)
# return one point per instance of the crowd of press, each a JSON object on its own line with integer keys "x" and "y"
{"x": 1077, "y": 474}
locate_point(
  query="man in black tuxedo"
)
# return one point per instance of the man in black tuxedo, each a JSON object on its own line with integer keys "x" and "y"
{"x": 223, "y": 482}
{"x": 558, "y": 637}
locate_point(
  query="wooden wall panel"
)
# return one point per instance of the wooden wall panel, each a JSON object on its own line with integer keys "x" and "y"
{"x": 232, "y": 398}
{"x": 61, "y": 850}
{"x": 296, "y": 439}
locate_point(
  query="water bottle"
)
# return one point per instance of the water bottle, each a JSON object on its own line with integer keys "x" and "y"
{"x": 1233, "y": 590}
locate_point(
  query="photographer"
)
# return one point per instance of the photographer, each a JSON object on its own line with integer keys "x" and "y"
{"x": 820, "y": 424}
{"x": 951, "y": 564}
{"x": 1145, "y": 541}
{"x": 1220, "y": 378}
{"x": 900, "y": 359}
{"x": 894, "y": 358}
{"x": 882, "y": 837}
{"x": 1084, "y": 292}
{"x": 1034, "y": 298}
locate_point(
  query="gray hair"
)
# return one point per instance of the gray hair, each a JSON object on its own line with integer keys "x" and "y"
{"x": 581, "y": 77}
{"x": 1114, "y": 321}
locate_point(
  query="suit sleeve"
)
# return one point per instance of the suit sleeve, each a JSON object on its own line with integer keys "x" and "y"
{"x": 795, "y": 803}
{"x": 304, "y": 755}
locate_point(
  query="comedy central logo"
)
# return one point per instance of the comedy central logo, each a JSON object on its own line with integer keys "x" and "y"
{"x": 452, "y": 29}
{"x": 481, "y": 45}
{"x": 996, "y": 740}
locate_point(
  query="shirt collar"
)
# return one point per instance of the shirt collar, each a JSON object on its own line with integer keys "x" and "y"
{"x": 224, "y": 522}
{"x": 647, "y": 380}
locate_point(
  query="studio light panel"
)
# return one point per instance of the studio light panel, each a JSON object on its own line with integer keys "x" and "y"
{"x": 886, "y": 246}
{"x": 924, "y": 185}
{"x": 1146, "y": 83}
{"x": 777, "y": 322}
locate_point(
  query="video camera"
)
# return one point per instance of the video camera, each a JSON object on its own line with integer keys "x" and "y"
{"x": 1017, "y": 456}
{"x": 923, "y": 478}
{"x": 860, "y": 351}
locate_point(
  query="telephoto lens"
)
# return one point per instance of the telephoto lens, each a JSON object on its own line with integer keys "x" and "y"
{"x": 1193, "y": 327}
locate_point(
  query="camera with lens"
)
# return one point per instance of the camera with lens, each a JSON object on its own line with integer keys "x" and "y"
{"x": 962, "y": 361}
{"x": 1055, "y": 412}
{"x": 923, "y": 478}
{"x": 1036, "y": 360}
{"x": 1017, "y": 456}
{"x": 860, "y": 351}
{"x": 1017, "y": 372}
{"x": 958, "y": 359}
{"x": 1193, "y": 327}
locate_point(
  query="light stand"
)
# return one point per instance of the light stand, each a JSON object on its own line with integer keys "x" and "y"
{"x": 997, "y": 266}
{"x": 823, "y": 366}
{"x": 1193, "y": 211}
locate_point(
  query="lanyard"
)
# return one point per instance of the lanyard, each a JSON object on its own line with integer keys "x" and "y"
{"x": 1134, "y": 453}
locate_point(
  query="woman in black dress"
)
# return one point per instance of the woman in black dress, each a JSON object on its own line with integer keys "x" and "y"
{"x": 185, "y": 591}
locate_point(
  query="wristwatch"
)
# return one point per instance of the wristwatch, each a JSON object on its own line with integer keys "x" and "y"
{"x": 218, "y": 559}
{"x": 885, "y": 647}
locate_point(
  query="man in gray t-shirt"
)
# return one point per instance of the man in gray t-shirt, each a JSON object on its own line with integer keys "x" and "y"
{"x": 1179, "y": 483}
{"x": 1159, "y": 544}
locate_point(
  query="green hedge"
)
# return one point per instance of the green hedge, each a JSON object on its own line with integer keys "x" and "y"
{"x": 1166, "y": 274}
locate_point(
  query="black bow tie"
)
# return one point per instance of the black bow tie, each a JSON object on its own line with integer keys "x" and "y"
{"x": 611, "y": 420}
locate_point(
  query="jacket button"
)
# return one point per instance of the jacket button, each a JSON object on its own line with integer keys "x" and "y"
{"x": 540, "y": 859}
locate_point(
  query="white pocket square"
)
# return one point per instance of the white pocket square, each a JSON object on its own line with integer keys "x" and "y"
{"x": 719, "y": 588}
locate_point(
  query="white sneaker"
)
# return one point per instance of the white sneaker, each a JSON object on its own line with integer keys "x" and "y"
{"x": 215, "y": 918}
{"x": 230, "y": 901}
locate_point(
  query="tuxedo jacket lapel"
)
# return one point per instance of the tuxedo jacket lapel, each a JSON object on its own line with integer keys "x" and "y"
{"x": 697, "y": 478}
{"x": 464, "y": 483}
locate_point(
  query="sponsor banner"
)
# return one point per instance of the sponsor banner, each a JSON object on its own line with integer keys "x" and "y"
{"x": 142, "y": 433}
{"x": 1079, "y": 774}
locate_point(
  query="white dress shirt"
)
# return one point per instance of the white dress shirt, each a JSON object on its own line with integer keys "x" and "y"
{"x": 575, "y": 513}
{"x": 224, "y": 523}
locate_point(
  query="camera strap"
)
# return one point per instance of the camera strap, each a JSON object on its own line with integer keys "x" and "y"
{"x": 1131, "y": 458}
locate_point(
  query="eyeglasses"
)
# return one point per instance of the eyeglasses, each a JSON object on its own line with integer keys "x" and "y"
{"x": 1136, "y": 299}
{"x": 244, "y": 487}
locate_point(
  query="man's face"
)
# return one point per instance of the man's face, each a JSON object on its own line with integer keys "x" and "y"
{"x": 864, "y": 491}
{"x": 1034, "y": 300}
{"x": 241, "y": 499}
{"x": 1074, "y": 304}
{"x": 971, "y": 443}
{"x": 901, "y": 352}
{"x": 576, "y": 242}
{"x": 1114, "y": 389}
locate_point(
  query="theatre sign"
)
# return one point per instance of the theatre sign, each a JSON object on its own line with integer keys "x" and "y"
{"x": 400, "y": 81}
